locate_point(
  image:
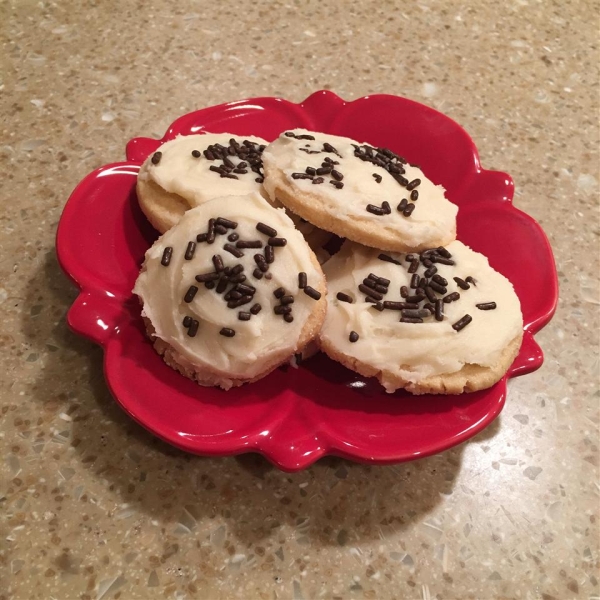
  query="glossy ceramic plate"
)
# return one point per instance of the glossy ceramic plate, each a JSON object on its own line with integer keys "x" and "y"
{"x": 295, "y": 416}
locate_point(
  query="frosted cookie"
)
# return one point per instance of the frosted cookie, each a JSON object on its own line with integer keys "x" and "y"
{"x": 192, "y": 169}
{"x": 231, "y": 292}
{"x": 442, "y": 322}
{"x": 369, "y": 195}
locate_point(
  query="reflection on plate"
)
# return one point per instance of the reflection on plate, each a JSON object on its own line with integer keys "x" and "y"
{"x": 295, "y": 416}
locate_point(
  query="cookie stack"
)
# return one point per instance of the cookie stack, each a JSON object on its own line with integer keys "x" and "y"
{"x": 234, "y": 287}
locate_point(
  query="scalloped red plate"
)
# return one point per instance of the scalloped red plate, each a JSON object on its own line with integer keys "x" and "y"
{"x": 295, "y": 416}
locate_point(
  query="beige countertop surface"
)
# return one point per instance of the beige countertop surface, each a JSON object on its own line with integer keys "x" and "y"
{"x": 93, "y": 507}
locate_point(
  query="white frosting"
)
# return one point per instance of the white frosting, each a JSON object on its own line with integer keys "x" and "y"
{"x": 257, "y": 342}
{"x": 416, "y": 351}
{"x": 178, "y": 172}
{"x": 432, "y": 219}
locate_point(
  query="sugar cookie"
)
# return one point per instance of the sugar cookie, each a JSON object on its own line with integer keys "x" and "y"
{"x": 442, "y": 322}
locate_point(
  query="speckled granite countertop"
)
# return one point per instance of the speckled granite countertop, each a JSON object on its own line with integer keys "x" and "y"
{"x": 93, "y": 507}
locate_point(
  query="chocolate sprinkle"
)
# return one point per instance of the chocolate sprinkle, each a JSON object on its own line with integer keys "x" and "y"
{"x": 419, "y": 313}
{"x": 414, "y": 265}
{"x": 246, "y": 288}
{"x": 389, "y": 259}
{"x": 226, "y": 223}
{"x": 193, "y": 329}
{"x": 222, "y": 285}
{"x": 282, "y": 310}
{"x": 414, "y": 195}
{"x": 187, "y": 321}
{"x": 233, "y": 250}
{"x": 462, "y": 323}
{"x": 344, "y": 297}
{"x": 410, "y": 320}
{"x": 379, "y": 280}
{"x": 461, "y": 283}
{"x": 413, "y": 184}
{"x": 257, "y": 273}
{"x": 312, "y": 293}
{"x": 189, "y": 295}
{"x": 385, "y": 205}
{"x": 453, "y": 297}
{"x": 279, "y": 292}
{"x": 444, "y": 252}
{"x": 248, "y": 244}
{"x": 203, "y": 278}
{"x": 277, "y": 241}
{"x": 259, "y": 259}
{"x": 318, "y": 180}
{"x": 327, "y": 147}
{"x": 431, "y": 271}
{"x": 415, "y": 299}
{"x": 402, "y": 206}
{"x": 393, "y": 305}
{"x": 403, "y": 291}
{"x": 218, "y": 262}
{"x": 375, "y": 210}
{"x": 166, "y": 257}
{"x": 369, "y": 292}
{"x": 301, "y": 176}
{"x": 190, "y": 250}
{"x": 486, "y": 306}
{"x": 210, "y": 236}
{"x": 337, "y": 175}
{"x": 370, "y": 283}
{"x": 353, "y": 337}
{"x": 288, "y": 318}
{"x": 244, "y": 316}
{"x": 220, "y": 229}
{"x": 256, "y": 308}
{"x": 442, "y": 280}
{"x": 377, "y": 177}
{"x": 233, "y": 237}
{"x": 287, "y": 299}
{"x": 470, "y": 279}
{"x": 239, "y": 301}
{"x": 269, "y": 254}
{"x": 209, "y": 285}
{"x": 442, "y": 260}
{"x": 196, "y": 153}
{"x": 238, "y": 278}
{"x": 414, "y": 281}
{"x": 268, "y": 231}
{"x": 302, "y": 280}
{"x": 236, "y": 270}
{"x": 156, "y": 158}
{"x": 227, "y": 332}
{"x": 440, "y": 289}
{"x": 430, "y": 294}
{"x": 439, "y": 310}
{"x": 408, "y": 210}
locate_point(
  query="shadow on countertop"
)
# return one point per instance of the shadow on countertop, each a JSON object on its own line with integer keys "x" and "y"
{"x": 334, "y": 502}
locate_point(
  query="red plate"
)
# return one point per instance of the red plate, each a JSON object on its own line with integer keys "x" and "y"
{"x": 295, "y": 416}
